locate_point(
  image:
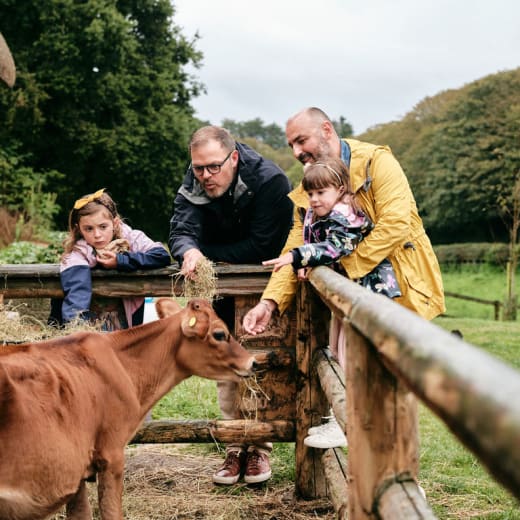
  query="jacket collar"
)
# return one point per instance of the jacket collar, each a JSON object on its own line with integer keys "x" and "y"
{"x": 247, "y": 162}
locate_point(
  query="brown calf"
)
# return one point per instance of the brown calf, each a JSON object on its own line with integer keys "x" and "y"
{"x": 68, "y": 406}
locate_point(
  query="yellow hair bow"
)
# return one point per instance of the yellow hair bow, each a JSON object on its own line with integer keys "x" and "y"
{"x": 89, "y": 198}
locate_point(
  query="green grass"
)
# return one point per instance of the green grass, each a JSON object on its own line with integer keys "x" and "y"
{"x": 477, "y": 280}
{"x": 456, "y": 484}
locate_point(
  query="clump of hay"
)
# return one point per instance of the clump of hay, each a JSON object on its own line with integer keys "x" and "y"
{"x": 119, "y": 245}
{"x": 173, "y": 482}
{"x": 251, "y": 394}
{"x": 203, "y": 282}
{"x": 18, "y": 327}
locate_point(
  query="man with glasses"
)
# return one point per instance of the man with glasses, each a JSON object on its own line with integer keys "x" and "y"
{"x": 231, "y": 207}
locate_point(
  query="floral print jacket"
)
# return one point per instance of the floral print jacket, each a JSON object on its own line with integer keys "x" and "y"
{"x": 327, "y": 239}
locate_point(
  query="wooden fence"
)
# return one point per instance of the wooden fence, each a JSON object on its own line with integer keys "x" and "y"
{"x": 393, "y": 356}
{"x": 495, "y": 303}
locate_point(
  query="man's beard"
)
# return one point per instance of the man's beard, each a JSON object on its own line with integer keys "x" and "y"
{"x": 322, "y": 153}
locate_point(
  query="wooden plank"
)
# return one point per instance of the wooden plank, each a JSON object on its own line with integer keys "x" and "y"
{"x": 402, "y": 499}
{"x": 335, "y": 466}
{"x": 195, "y": 431}
{"x": 273, "y": 394}
{"x": 381, "y": 426}
{"x": 42, "y": 281}
{"x": 312, "y": 326}
{"x": 332, "y": 381}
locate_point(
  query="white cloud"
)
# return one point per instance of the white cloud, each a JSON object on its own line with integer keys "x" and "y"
{"x": 369, "y": 61}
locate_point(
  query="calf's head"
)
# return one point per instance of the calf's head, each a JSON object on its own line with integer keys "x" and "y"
{"x": 207, "y": 348}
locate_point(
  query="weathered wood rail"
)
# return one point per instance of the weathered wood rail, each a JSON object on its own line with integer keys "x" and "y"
{"x": 495, "y": 303}
{"x": 43, "y": 281}
{"x": 393, "y": 356}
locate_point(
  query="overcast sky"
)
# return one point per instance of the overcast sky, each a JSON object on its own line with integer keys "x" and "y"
{"x": 370, "y": 61}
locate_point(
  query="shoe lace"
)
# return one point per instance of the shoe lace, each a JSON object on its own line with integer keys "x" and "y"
{"x": 253, "y": 461}
{"x": 231, "y": 459}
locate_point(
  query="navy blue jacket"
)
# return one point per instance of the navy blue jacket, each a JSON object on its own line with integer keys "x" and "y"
{"x": 248, "y": 224}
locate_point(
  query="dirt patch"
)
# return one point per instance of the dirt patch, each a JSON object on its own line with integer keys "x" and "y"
{"x": 169, "y": 483}
{"x": 165, "y": 483}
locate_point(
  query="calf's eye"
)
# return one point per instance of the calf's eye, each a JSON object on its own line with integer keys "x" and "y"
{"x": 220, "y": 335}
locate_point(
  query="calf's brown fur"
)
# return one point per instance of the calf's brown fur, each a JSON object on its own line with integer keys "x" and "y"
{"x": 68, "y": 406}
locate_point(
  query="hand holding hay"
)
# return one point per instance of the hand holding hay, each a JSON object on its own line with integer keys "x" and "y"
{"x": 107, "y": 257}
{"x": 203, "y": 282}
{"x": 119, "y": 245}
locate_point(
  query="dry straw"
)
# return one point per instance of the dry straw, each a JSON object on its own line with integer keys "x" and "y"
{"x": 18, "y": 327}
{"x": 203, "y": 283}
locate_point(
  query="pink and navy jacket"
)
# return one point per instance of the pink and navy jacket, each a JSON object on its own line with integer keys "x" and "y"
{"x": 76, "y": 277}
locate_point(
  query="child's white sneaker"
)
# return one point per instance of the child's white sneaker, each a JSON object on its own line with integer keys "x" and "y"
{"x": 317, "y": 429}
{"x": 328, "y": 435}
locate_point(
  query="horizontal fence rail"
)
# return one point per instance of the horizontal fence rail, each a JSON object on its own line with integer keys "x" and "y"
{"x": 43, "y": 281}
{"x": 475, "y": 394}
{"x": 495, "y": 303}
{"x": 236, "y": 431}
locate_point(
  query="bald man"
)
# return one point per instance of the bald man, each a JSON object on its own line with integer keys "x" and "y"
{"x": 383, "y": 193}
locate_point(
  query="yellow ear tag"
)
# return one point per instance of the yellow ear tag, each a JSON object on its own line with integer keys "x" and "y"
{"x": 192, "y": 321}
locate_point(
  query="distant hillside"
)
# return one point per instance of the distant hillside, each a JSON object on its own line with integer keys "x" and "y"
{"x": 461, "y": 152}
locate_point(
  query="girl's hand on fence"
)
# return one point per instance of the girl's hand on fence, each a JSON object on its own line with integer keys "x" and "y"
{"x": 107, "y": 259}
{"x": 257, "y": 319}
{"x": 278, "y": 263}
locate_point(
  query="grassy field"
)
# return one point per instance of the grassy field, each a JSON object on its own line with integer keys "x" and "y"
{"x": 479, "y": 280}
{"x": 456, "y": 484}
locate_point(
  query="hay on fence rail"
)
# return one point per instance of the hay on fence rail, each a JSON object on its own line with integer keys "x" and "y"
{"x": 203, "y": 283}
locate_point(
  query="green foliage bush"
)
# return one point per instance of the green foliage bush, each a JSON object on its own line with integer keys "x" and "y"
{"x": 102, "y": 97}
{"x": 493, "y": 253}
{"x": 24, "y": 252}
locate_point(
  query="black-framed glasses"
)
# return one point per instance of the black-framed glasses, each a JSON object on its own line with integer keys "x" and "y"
{"x": 212, "y": 169}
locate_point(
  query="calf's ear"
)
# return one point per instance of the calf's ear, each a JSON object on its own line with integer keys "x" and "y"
{"x": 195, "y": 322}
{"x": 166, "y": 307}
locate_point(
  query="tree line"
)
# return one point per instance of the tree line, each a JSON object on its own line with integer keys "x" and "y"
{"x": 461, "y": 152}
{"x": 103, "y": 99}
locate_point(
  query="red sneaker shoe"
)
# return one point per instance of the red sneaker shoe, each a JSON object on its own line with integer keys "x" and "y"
{"x": 258, "y": 468}
{"x": 230, "y": 472}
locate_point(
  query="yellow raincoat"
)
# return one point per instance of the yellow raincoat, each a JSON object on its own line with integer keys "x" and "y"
{"x": 383, "y": 192}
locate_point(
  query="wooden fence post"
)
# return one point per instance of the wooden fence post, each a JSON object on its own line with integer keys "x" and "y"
{"x": 382, "y": 427}
{"x": 312, "y": 325}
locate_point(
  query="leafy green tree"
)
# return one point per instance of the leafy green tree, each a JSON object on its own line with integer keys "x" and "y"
{"x": 460, "y": 152}
{"x": 343, "y": 127}
{"x": 271, "y": 134}
{"x": 102, "y": 97}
